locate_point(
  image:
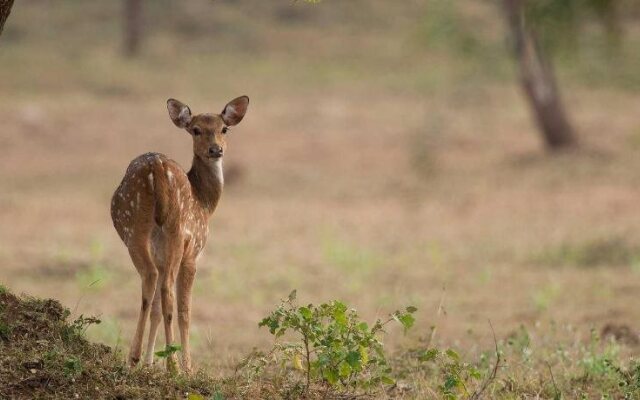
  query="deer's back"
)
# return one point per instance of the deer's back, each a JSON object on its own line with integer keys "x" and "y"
{"x": 155, "y": 198}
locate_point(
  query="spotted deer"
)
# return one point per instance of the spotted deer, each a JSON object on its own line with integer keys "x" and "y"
{"x": 161, "y": 213}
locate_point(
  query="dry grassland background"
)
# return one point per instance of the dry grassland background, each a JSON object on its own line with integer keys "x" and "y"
{"x": 375, "y": 165}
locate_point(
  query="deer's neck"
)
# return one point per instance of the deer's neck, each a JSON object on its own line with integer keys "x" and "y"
{"x": 207, "y": 181}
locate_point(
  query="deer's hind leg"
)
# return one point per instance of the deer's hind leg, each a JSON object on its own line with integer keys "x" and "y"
{"x": 156, "y": 317}
{"x": 173, "y": 257}
{"x": 141, "y": 256}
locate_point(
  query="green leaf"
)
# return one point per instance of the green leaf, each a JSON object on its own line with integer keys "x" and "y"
{"x": 306, "y": 313}
{"x": 451, "y": 382}
{"x": 474, "y": 373}
{"x": 194, "y": 396}
{"x": 340, "y": 318}
{"x": 429, "y": 355}
{"x": 411, "y": 309}
{"x": 406, "y": 320}
{"x": 353, "y": 359}
{"x": 344, "y": 370}
{"x": 331, "y": 376}
{"x": 292, "y": 295}
{"x": 452, "y": 355}
{"x": 340, "y": 306}
{"x": 271, "y": 322}
{"x": 168, "y": 351}
{"x": 387, "y": 380}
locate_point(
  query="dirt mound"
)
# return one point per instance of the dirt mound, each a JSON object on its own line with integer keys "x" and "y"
{"x": 45, "y": 355}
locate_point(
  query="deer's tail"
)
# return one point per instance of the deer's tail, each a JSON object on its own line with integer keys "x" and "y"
{"x": 161, "y": 192}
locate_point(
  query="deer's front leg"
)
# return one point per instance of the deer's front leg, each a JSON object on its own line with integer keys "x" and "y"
{"x": 173, "y": 256}
{"x": 185, "y": 283}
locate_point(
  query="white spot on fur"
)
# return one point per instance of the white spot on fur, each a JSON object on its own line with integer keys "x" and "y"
{"x": 150, "y": 177}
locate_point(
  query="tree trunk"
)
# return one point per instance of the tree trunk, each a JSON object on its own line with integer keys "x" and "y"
{"x": 538, "y": 80}
{"x": 5, "y": 10}
{"x": 132, "y": 27}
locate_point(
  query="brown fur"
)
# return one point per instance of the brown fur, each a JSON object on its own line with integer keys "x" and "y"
{"x": 161, "y": 214}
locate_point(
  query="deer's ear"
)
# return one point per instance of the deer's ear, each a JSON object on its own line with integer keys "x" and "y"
{"x": 234, "y": 111}
{"x": 180, "y": 113}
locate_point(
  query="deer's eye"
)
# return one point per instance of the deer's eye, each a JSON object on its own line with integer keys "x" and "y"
{"x": 196, "y": 131}
{"x": 225, "y": 130}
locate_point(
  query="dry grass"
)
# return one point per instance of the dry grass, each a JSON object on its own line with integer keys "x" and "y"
{"x": 369, "y": 168}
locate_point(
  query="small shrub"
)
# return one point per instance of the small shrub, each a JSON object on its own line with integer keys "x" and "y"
{"x": 334, "y": 348}
{"x": 446, "y": 372}
{"x": 78, "y": 327}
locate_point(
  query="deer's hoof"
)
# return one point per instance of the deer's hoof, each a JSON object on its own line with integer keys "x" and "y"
{"x": 133, "y": 361}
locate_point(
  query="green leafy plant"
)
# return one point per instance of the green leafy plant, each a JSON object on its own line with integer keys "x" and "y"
{"x": 78, "y": 327}
{"x": 456, "y": 374}
{"x": 447, "y": 372}
{"x": 168, "y": 351}
{"x": 168, "y": 355}
{"x": 334, "y": 347}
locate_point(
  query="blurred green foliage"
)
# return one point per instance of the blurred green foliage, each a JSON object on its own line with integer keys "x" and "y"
{"x": 591, "y": 40}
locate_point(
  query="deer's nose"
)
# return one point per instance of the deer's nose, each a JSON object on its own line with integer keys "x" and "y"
{"x": 215, "y": 151}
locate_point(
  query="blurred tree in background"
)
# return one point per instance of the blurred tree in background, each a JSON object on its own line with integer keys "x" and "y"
{"x": 539, "y": 27}
{"x": 538, "y": 79}
{"x": 5, "y": 10}
{"x": 133, "y": 24}
{"x": 577, "y": 41}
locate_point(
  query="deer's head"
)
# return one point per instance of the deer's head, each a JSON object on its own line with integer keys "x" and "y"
{"x": 208, "y": 130}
